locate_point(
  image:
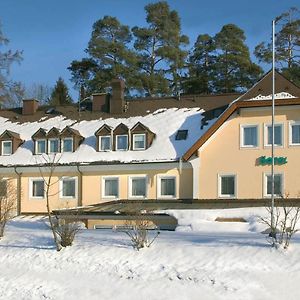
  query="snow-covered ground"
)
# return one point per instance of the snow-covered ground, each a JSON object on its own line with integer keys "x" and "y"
{"x": 203, "y": 259}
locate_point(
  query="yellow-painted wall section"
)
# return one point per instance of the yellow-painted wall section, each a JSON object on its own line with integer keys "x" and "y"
{"x": 223, "y": 154}
{"x": 92, "y": 185}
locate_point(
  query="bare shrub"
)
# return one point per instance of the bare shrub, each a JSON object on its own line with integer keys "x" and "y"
{"x": 8, "y": 200}
{"x": 286, "y": 215}
{"x": 66, "y": 230}
{"x": 137, "y": 228}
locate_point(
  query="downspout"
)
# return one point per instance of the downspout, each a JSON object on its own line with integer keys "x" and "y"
{"x": 79, "y": 186}
{"x": 195, "y": 162}
{"x": 18, "y": 191}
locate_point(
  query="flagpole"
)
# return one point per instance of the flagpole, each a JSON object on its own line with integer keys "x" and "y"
{"x": 273, "y": 229}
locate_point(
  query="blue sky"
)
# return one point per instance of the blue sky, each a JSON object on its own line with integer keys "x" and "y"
{"x": 53, "y": 33}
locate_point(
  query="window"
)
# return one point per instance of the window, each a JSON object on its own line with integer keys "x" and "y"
{"x": 139, "y": 141}
{"x": 121, "y": 142}
{"x": 6, "y": 147}
{"x": 167, "y": 187}
{"x": 40, "y": 146}
{"x": 67, "y": 145}
{"x": 181, "y": 135}
{"x": 37, "y": 188}
{"x": 294, "y": 133}
{"x": 53, "y": 145}
{"x": 227, "y": 186}
{"x": 249, "y": 136}
{"x": 137, "y": 187}
{"x": 3, "y": 188}
{"x": 68, "y": 187}
{"x": 110, "y": 187}
{"x": 278, "y": 135}
{"x": 105, "y": 143}
{"x": 278, "y": 185}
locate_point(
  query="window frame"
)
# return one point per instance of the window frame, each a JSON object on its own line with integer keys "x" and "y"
{"x": 117, "y": 142}
{"x": 68, "y": 178}
{"x": 36, "y": 146}
{"x": 242, "y": 127}
{"x": 58, "y": 145}
{"x": 291, "y": 123}
{"x": 63, "y": 143}
{"x": 11, "y": 147}
{"x": 265, "y": 184}
{"x": 266, "y": 126}
{"x": 133, "y": 141}
{"x": 228, "y": 196}
{"x": 100, "y": 143}
{"x": 130, "y": 178}
{"x": 159, "y": 195}
{"x": 103, "y": 179}
{"x": 31, "y": 180}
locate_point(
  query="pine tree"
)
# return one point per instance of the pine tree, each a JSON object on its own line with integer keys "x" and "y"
{"x": 109, "y": 57}
{"x": 160, "y": 51}
{"x": 10, "y": 92}
{"x": 233, "y": 69}
{"x": 200, "y": 66}
{"x": 60, "y": 94}
{"x": 287, "y": 45}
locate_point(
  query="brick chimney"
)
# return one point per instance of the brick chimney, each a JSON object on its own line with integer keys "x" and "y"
{"x": 30, "y": 106}
{"x": 100, "y": 102}
{"x": 116, "y": 105}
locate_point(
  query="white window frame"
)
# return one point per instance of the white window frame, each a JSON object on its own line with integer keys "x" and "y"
{"x": 133, "y": 140}
{"x": 58, "y": 147}
{"x": 242, "y": 127}
{"x": 266, "y": 135}
{"x": 36, "y": 146}
{"x": 265, "y": 184}
{"x": 159, "y": 195}
{"x": 6, "y": 154}
{"x": 117, "y": 142}
{"x": 61, "y": 196}
{"x": 103, "y": 187}
{"x": 220, "y": 195}
{"x": 63, "y": 142}
{"x": 31, "y": 196}
{"x": 100, "y": 142}
{"x": 291, "y": 123}
{"x": 130, "y": 178}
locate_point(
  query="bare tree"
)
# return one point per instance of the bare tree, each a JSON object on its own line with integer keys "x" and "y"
{"x": 39, "y": 91}
{"x": 8, "y": 201}
{"x": 286, "y": 216}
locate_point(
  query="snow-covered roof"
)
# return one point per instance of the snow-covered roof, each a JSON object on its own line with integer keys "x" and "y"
{"x": 281, "y": 95}
{"x": 163, "y": 122}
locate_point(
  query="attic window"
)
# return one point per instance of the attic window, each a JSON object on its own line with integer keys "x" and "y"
{"x": 181, "y": 135}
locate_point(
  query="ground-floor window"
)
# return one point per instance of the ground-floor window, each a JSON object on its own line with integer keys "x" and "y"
{"x": 138, "y": 187}
{"x": 3, "y": 188}
{"x": 278, "y": 185}
{"x": 110, "y": 187}
{"x": 166, "y": 186}
{"x": 68, "y": 187}
{"x": 37, "y": 188}
{"x": 227, "y": 186}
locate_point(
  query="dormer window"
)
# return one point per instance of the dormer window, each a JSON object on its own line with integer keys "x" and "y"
{"x": 122, "y": 142}
{"x": 40, "y": 146}
{"x": 6, "y": 148}
{"x": 67, "y": 145}
{"x": 139, "y": 141}
{"x": 53, "y": 145}
{"x": 105, "y": 143}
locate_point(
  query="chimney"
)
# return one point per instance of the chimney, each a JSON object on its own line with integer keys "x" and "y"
{"x": 100, "y": 102}
{"x": 30, "y": 106}
{"x": 116, "y": 105}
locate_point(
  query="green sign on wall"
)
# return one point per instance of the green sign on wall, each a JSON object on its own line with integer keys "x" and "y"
{"x": 280, "y": 160}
